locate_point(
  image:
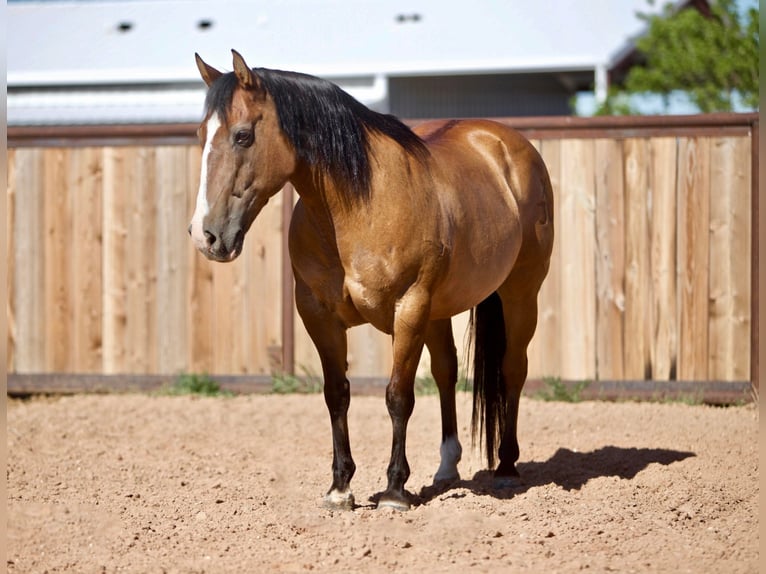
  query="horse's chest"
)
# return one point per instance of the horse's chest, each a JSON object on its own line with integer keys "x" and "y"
{"x": 372, "y": 283}
{"x": 355, "y": 297}
{"x": 371, "y": 301}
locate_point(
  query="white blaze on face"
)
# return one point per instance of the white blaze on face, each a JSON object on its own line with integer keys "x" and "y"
{"x": 202, "y": 208}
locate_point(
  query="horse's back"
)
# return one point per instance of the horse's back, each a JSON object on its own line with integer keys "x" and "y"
{"x": 469, "y": 146}
{"x": 432, "y": 131}
{"x": 493, "y": 187}
{"x": 453, "y": 132}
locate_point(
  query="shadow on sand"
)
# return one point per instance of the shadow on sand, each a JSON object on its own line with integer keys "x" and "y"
{"x": 566, "y": 468}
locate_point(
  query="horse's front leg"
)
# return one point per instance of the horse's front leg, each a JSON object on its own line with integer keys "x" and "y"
{"x": 329, "y": 336}
{"x": 410, "y": 321}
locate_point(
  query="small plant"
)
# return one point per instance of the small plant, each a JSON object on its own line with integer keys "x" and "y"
{"x": 284, "y": 383}
{"x": 556, "y": 390}
{"x": 690, "y": 399}
{"x": 196, "y": 384}
{"x": 425, "y": 385}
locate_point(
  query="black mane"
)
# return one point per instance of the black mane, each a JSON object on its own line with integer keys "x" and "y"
{"x": 327, "y": 127}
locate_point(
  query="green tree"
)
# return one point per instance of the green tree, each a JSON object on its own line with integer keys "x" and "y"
{"x": 711, "y": 57}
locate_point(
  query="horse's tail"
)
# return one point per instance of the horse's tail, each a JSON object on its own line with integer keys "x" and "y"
{"x": 488, "y": 330}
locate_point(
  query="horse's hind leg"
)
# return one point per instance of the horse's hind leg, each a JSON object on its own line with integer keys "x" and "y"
{"x": 329, "y": 336}
{"x": 441, "y": 346}
{"x": 519, "y": 298}
{"x": 520, "y": 314}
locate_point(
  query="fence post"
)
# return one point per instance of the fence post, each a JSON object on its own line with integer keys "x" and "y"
{"x": 754, "y": 258}
{"x": 288, "y": 309}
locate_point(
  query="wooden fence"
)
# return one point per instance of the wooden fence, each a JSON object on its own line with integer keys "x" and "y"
{"x": 650, "y": 277}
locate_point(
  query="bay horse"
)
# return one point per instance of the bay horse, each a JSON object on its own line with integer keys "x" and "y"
{"x": 397, "y": 227}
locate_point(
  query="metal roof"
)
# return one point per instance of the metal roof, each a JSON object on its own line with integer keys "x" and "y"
{"x": 62, "y": 43}
{"x": 107, "y": 52}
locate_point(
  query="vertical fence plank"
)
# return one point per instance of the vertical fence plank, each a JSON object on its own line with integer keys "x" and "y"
{"x": 224, "y": 313}
{"x": 638, "y": 318}
{"x": 721, "y": 178}
{"x": 729, "y": 357}
{"x": 693, "y": 256}
{"x": 200, "y": 314}
{"x": 60, "y": 248}
{"x": 610, "y": 271}
{"x": 114, "y": 274}
{"x": 172, "y": 259}
{"x": 29, "y": 262}
{"x": 577, "y": 239}
{"x": 86, "y": 167}
{"x": 662, "y": 182}
{"x": 228, "y": 309}
{"x": 11, "y": 277}
{"x": 141, "y": 260}
{"x": 741, "y": 256}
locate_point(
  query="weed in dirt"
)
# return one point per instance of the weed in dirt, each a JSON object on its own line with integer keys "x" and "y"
{"x": 195, "y": 384}
{"x": 284, "y": 383}
{"x": 426, "y": 385}
{"x": 556, "y": 390}
{"x": 690, "y": 399}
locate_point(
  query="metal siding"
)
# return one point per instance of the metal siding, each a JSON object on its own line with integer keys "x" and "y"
{"x": 478, "y": 96}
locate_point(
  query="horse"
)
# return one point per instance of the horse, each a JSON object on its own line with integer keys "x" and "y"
{"x": 397, "y": 227}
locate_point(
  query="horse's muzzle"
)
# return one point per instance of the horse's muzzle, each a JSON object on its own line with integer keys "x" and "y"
{"x": 224, "y": 247}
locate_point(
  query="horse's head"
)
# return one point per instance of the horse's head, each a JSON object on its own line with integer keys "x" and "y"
{"x": 245, "y": 159}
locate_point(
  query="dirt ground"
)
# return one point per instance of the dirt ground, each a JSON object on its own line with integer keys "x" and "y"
{"x": 135, "y": 483}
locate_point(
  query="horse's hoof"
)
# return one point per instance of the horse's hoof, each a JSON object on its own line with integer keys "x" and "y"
{"x": 339, "y": 500}
{"x": 441, "y": 480}
{"x": 506, "y": 482}
{"x": 394, "y": 501}
{"x": 446, "y": 477}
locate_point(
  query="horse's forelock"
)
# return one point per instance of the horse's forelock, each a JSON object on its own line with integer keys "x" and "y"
{"x": 220, "y": 95}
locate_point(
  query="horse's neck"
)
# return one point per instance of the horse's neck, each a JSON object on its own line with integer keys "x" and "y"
{"x": 333, "y": 208}
{"x": 319, "y": 197}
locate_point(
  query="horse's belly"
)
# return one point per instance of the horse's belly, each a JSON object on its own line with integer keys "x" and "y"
{"x": 458, "y": 296}
{"x": 471, "y": 278}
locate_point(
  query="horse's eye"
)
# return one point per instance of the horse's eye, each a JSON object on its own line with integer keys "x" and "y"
{"x": 243, "y": 138}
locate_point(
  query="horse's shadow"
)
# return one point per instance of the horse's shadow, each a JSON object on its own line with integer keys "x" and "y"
{"x": 569, "y": 469}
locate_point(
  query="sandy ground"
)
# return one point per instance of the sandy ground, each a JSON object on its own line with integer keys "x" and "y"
{"x": 147, "y": 484}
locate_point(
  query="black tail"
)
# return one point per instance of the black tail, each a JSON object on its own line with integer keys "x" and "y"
{"x": 488, "y": 328}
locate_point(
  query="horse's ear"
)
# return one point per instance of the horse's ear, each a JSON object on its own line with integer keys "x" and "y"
{"x": 209, "y": 73}
{"x": 247, "y": 78}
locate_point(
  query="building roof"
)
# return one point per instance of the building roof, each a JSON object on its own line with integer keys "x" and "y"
{"x": 154, "y": 41}
{"x": 85, "y": 47}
